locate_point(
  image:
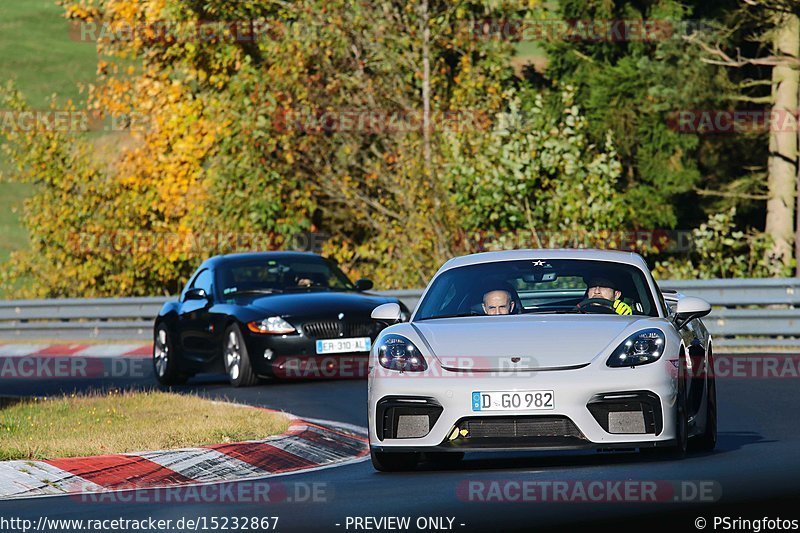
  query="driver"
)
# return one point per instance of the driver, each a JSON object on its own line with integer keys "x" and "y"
{"x": 498, "y": 302}
{"x": 605, "y": 288}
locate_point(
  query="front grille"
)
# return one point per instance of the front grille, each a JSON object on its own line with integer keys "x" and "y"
{"x": 512, "y": 427}
{"x": 504, "y": 432}
{"x": 332, "y": 329}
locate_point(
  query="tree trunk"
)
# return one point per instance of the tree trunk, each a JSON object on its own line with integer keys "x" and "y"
{"x": 426, "y": 86}
{"x": 783, "y": 140}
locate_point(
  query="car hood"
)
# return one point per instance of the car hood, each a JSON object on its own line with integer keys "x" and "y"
{"x": 313, "y": 303}
{"x": 540, "y": 342}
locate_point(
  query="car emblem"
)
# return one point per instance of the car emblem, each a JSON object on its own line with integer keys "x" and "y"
{"x": 516, "y": 359}
{"x": 341, "y": 316}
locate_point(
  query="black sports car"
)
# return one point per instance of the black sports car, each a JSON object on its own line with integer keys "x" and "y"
{"x": 270, "y": 314}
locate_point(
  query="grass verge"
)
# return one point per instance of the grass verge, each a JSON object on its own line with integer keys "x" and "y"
{"x": 120, "y": 422}
{"x": 37, "y": 52}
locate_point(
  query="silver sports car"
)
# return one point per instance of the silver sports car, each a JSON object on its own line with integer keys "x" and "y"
{"x": 544, "y": 350}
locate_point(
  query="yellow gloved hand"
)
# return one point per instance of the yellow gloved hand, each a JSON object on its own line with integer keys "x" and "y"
{"x": 622, "y": 308}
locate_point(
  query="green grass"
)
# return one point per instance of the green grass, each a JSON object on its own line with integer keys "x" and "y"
{"x": 36, "y": 51}
{"x": 97, "y": 424}
{"x": 12, "y": 235}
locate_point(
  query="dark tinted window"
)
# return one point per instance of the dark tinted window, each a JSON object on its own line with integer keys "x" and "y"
{"x": 302, "y": 273}
{"x": 535, "y": 286}
{"x": 204, "y": 281}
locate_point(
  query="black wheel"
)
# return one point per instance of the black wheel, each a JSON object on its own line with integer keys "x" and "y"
{"x": 681, "y": 431}
{"x": 237, "y": 360}
{"x": 393, "y": 462}
{"x": 166, "y": 359}
{"x": 707, "y": 441}
{"x": 445, "y": 459}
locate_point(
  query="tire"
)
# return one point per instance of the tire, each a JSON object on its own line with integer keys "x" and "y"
{"x": 681, "y": 431}
{"x": 236, "y": 359}
{"x": 166, "y": 359}
{"x": 393, "y": 462}
{"x": 707, "y": 441}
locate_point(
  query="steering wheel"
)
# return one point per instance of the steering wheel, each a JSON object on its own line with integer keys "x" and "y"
{"x": 597, "y": 305}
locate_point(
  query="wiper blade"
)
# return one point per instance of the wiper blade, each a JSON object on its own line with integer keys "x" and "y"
{"x": 459, "y": 315}
{"x": 553, "y": 310}
{"x": 256, "y": 291}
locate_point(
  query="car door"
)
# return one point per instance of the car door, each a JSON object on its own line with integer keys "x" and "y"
{"x": 195, "y": 325}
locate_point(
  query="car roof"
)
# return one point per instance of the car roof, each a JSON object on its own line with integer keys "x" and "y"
{"x": 614, "y": 256}
{"x": 213, "y": 262}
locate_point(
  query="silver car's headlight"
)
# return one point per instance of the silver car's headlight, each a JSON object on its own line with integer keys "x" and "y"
{"x": 396, "y": 352}
{"x": 642, "y": 347}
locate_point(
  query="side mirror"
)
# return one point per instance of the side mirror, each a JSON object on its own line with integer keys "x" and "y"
{"x": 364, "y": 285}
{"x": 389, "y": 312}
{"x": 689, "y": 308}
{"x": 196, "y": 294}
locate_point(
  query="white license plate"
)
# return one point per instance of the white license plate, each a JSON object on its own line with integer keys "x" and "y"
{"x": 525, "y": 400}
{"x": 360, "y": 344}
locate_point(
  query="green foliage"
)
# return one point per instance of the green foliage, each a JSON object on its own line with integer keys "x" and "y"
{"x": 536, "y": 170}
{"x": 633, "y": 88}
{"x": 719, "y": 250}
{"x": 272, "y": 136}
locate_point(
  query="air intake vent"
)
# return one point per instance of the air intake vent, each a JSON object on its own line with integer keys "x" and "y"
{"x": 515, "y": 427}
{"x": 332, "y": 329}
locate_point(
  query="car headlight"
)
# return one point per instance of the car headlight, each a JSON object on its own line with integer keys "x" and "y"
{"x": 398, "y": 353}
{"x": 640, "y": 348}
{"x": 273, "y": 325}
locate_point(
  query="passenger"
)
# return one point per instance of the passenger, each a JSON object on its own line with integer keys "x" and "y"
{"x": 498, "y": 302}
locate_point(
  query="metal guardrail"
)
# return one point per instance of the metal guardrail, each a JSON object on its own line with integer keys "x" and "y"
{"x": 747, "y": 312}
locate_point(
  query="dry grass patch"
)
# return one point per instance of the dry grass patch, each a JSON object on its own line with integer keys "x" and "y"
{"x": 120, "y": 422}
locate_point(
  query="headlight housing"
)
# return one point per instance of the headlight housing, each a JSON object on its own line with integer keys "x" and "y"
{"x": 273, "y": 325}
{"x": 641, "y": 348}
{"x": 396, "y": 352}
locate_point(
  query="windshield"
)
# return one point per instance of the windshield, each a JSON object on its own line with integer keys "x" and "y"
{"x": 281, "y": 275}
{"x": 528, "y": 286}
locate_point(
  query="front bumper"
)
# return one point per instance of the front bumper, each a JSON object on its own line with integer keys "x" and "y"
{"x": 295, "y": 357}
{"x": 641, "y": 400}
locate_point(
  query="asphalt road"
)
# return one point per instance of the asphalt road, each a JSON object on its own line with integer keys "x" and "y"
{"x": 754, "y": 473}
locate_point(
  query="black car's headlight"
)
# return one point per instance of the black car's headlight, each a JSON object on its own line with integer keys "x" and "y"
{"x": 396, "y": 352}
{"x": 640, "y": 348}
{"x": 273, "y": 325}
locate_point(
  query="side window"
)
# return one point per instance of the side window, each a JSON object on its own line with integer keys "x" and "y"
{"x": 204, "y": 281}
